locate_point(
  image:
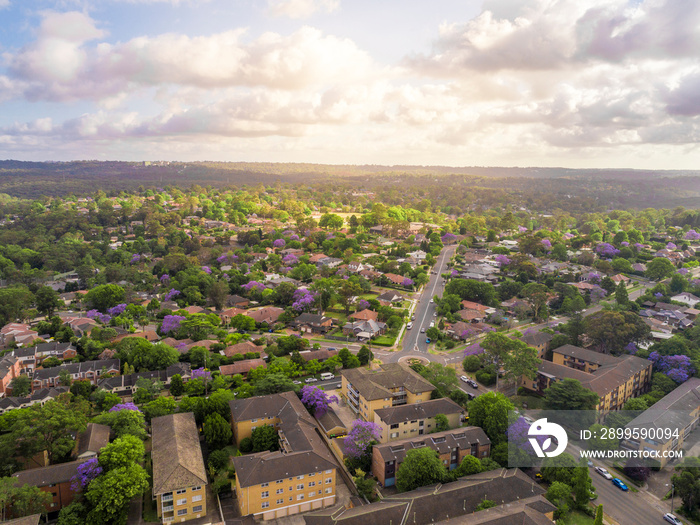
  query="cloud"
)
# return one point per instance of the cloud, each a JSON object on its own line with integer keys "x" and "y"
{"x": 4, "y": 4}
{"x": 300, "y": 8}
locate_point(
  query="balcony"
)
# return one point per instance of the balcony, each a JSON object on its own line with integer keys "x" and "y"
{"x": 166, "y": 497}
{"x": 168, "y": 508}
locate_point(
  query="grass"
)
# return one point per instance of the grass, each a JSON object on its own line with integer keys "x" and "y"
{"x": 384, "y": 340}
{"x": 576, "y": 518}
{"x": 533, "y": 402}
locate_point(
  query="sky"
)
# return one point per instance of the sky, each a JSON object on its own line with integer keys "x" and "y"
{"x": 571, "y": 83}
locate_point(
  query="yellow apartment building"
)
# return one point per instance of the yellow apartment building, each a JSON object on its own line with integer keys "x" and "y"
{"x": 408, "y": 421}
{"x": 179, "y": 474}
{"x": 392, "y": 385}
{"x": 298, "y": 478}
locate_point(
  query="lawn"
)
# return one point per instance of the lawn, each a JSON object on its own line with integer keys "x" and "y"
{"x": 384, "y": 340}
{"x": 576, "y": 518}
{"x": 533, "y": 402}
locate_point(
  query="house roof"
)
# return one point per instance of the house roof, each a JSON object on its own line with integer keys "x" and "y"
{"x": 93, "y": 439}
{"x": 76, "y": 368}
{"x": 245, "y": 347}
{"x": 241, "y": 367}
{"x": 176, "y": 454}
{"x": 442, "y": 442}
{"x": 365, "y": 315}
{"x": 254, "y": 469}
{"x": 424, "y": 410}
{"x": 674, "y": 410}
{"x": 587, "y": 355}
{"x": 53, "y": 474}
{"x": 536, "y": 338}
{"x": 375, "y": 384}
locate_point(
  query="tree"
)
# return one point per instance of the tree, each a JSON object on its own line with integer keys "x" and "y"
{"x": 569, "y": 394}
{"x": 110, "y": 494}
{"x": 516, "y": 357}
{"x": 265, "y": 438}
{"x": 471, "y": 290}
{"x": 81, "y": 388}
{"x": 217, "y": 293}
{"x": 47, "y": 301}
{"x": 121, "y": 453}
{"x": 559, "y": 468}
{"x": 581, "y": 484}
{"x": 104, "y": 296}
{"x": 28, "y": 500}
{"x": 217, "y": 432}
{"x": 490, "y": 411}
{"x": 274, "y": 383}
{"x": 176, "y": 385}
{"x": 598, "y": 516}
{"x": 160, "y": 406}
{"x": 537, "y": 295}
{"x": 560, "y": 495}
{"x": 365, "y": 486}
{"x": 621, "y": 296}
{"x": 612, "y": 331}
{"x": 361, "y": 437}
{"x": 316, "y": 400}
{"x": 420, "y": 467}
{"x": 443, "y": 378}
{"x": 218, "y": 460}
{"x": 73, "y": 514}
{"x": 441, "y": 423}
{"x": 471, "y": 363}
{"x": 124, "y": 420}
{"x": 687, "y": 482}
{"x": 365, "y": 355}
{"x": 659, "y": 268}
{"x": 21, "y": 386}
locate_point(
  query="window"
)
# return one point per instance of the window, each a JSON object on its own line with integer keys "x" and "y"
{"x": 312, "y": 493}
{"x": 395, "y": 426}
{"x": 300, "y": 497}
{"x": 279, "y": 481}
{"x": 181, "y": 512}
{"x": 329, "y": 471}
{"x": 329, "y": 480}
{"x": 394, "y": 434}
{"x": 264, "y": 484}
{"x": 300, "y": 477}
{"x": 280, "y": 501}
{"x": 329, "y": 490}
{"x": 253, "y": 428}
{"x": 196, "y": 498}
{"x": 311, "y": 475}
{"x": 181, "y": 491}
{"x": 280, "y": 491}
{"x": 270, "y": 417}
{"x": 265, "y": 504}
{"x": 254, "y": 420}
{"x": 265, "y": 494}
{"x": 312, "y": 483}
{"x": 196, "y": 509}
{"x": 300, "y": 486}
{"x": 182, "y": 501}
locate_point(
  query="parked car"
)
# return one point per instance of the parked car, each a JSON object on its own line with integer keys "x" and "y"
{"x": 620, "y": 484}
{"x": 427, "y": 340}
{"x": 671, "y": 518}
{"x": 310, "y": 380}
{"x": 473, "y": 383}
{"x": 470, "y": 396}
{"x": 422, "y": 330}
{"x": 465, "y": 379}
{"x": 409, "y": 326}
{"x": 603, "y": 472}
{"x": 296, "y": 382}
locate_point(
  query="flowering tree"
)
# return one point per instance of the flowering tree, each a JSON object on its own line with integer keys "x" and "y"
{"x": 86, "y": 473}
{"x": 522, "y": 229}
{"x": 363, "y": 304}
{"x": 294, "y": 237}
{"x": 605, "y": 249}
{"x": 407, "y": 282}
{"x": 502, "y": 260}
{"x": 171, "y": 294}
{"x": 117, "y": 310}
{"x": 124, "y": 406}
{"x": 518, "y": 438}
{"x": 360, "y": 438}
{"x": 165, "y": 278}
{"x": 448, "y": 238}
{"x": 171, "y": 323}
{"x": 135, "y": 258}
{"x": 594, "y": 278}
{"x": 454, "y": 273}
{"x": 692, "y": 235}
{"x": 658, "y": 295}
{"x": 597, "y": 294}
{"x": 671, "y": 246}
{"x": 250, "y": 285}
{"x": 631, "y": 348}
{"x": 279, "y": 243}
{"x": 303, "y": 300}
{"x": 222, "y": 259}
{"x": 547, "y": 244}
{"x": 683, "y": 271}
{"x": 206, "y": 269}
{"x": 316, "y": 400}
{"x": 638, "y": 246}
{"x": 475, "y": 349}
{"x": 98, "y": 316}
{"x": 290, "y": 259}
{"x": 201, "y": 373}
{"x": 677, "y": 367}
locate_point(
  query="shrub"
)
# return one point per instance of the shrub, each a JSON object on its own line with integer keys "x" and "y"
{"x": 485, "y": 378}
{"x": 471, "y": 363}
{"x": 218, "y": 460}
{"x": 246, "y": 445}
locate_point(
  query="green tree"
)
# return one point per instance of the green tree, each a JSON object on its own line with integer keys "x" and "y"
{"x": 109, "y": 494}
{"x": 176, "y": 385}
{"x": 104, "y": 296}
{"x": 217, "y": 432}
{"x": 560, "y": 468}
{"x": 28, "y": 500}
{"x": 365, "y": 486}
{"x": 420, "y": 467}
{"x": 515, "y": 356}
{"x": 659, "y": 268}
{"x": 569, "y": 394}
{"x": 582, "y": 485}
{"x": 537, "y": 295}
{"x": 560, "y": 495}
{"x": 612, "y": 331}
{"x": 124, "y": 422}
{"x": 365, "y": 355}
{"x": 441, "y": 423}
{"x": 21, "y": 386}
{"x": 73, "y": 514}
{"x": 121, "y": 453}
{"x": 47, "y": 301}
{"x": 274, "y": 383}
{"x": 81, "y": 388}
{"x": 265, "y": 438}
{"x": 621, "y": 296}
{"x": 490, "y": 411}
{"x": 161, "y": 406}
{"x": 217, "y": 293}
{"x": 443, "y": 378}
{"x": 598, "y": 516}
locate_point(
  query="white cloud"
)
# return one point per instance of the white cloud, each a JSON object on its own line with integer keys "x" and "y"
{"x": 301, "y": 8}
{"x": 4, "y": 4}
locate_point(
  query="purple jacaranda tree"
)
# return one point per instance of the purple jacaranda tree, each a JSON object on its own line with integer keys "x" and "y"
{"x": 605, "y": 249}
{"x": 360, "y": 438}
{"x": 407, "y": 282}
{"x": 294, "y": 237}
{"x": 597, "y": 294}
{"x": 594, "y": 278}
{"x": 518, "y": 436}
{"x": 124, "y": 406}
{"x": 135, "y": 258}
{"x": 201, "y": 373}
{"x": 117, "y": 310}
{"x": 206, "y": 269}
{"x": 677, "y": 367}
{"x": 317, "y": 400}
{"x": 547, "y": 244}
{"x": 658, "y": 295}
{"x": 303, "y": 300}
{"x": 98, "y": 316}
{"x": 568, "y": 236}
{"x": 502, "y": 260}
{"x": 290, "y": 259}
{"x": 638, "y": 246}
{"x": 671, "y": 246}
{"x": 631, "y": 348}
{"x": 448, "y": 238}
{"x": 171, "y": 323}
{"x": 692, "y": 235}
{"x": 250, "y": 285}
{"x": 221, "y": 259}
{"x": 363, "y": 304}
{"x": 683, "y": 271}
{"x": 522, "y": 229}
{"x": 279, "y": 243}
{"x": 454, "y": 273}
{"x": 474, "y": 349}
{"x": 86, "y": 472}
{"x": 165, "y": 278}
{"x": 172, "y": 294}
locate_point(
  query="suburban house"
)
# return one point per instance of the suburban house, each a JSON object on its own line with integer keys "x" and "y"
{"x": 91, "y": 441}
{"x": 312, "y": 323}
{"x": 389, "y": 298}
{"x": 41, "y": 396}
{"x": 55, "y": 479}
{"x": 679, "y": 410}
{"x": 33, "y": 356}
{"x": 179, "y": 474}
{"x": 364, "y": 315}
{"x": 230, "y": 313}
{"x": 319, "y": 355}
{"x": 126, "y": 384}
{"x": 407, "y": 421}
{"x": 10, "y": 368}
{"x": 241, "y": 367}
{"x": 90, "y": 370}
{"x": 686, "y": 298}
{"x": 519, "y": 501}
{"x": 614, "y": 379}
{"x": 268, "y": 315}
{"x": 19, "y": 333}
{"x": 393, "y": 384}
{"x": 364, "y": 330}
{"x": 298, "y": 478}
{"x": 451, "y": 445}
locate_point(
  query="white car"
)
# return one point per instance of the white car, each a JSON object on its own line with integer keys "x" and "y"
{"x": 603, "y": 472}
{"x": 409, "y": 326}
{"x": 310, "y": 380}
{"x": 465, "y": 379}
{"x": 671, "y": 518}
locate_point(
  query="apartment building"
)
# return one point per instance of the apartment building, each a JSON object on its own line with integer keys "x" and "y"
{"x": 54, "y": 479}
{"x": 179, "y": 474}
{"x": 90, "y": 370}
{"x": 615, "y": 379}
{"x": 9, "y": 369}
{"x": 452, "y": 446}
{"x": 538, "y": 340}
{"x": 298, "y": 478}
{"x": 393, "y": 384}
{"x": 678, "y": 410}
{"x": 408, "y": 421}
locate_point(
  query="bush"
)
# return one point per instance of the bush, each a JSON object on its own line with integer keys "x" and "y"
{"x": 485, "y": 378}
{"x": 218, "y": 460}
{"x": 449, "y": 344}
{"x": 221, "y": 485}
{"x": 471, "y": 363}
{"x": 246, "y": 445}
